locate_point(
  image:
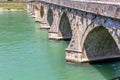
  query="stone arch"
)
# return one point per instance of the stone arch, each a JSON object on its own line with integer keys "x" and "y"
{"x": 41, "y": 11}
{"x": 99, "y": 43}
{"x": 50, "y": 16}
{"x": 64, "y": 30}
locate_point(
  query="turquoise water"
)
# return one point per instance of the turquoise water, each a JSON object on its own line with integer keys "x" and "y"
{"x": 27, "y": 54}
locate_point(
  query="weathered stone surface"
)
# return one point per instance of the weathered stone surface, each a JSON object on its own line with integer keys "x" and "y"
{"x": 37, "y": 12}
{"x": 83, "y": 18}
{"x": 106, "y": 9}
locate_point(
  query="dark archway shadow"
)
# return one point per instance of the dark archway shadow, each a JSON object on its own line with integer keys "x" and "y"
{"x": 99, "y": 42}
{"x": 50, "y": 16}
{"x": 65, "y": 28}
{"x": 42, "y": 11}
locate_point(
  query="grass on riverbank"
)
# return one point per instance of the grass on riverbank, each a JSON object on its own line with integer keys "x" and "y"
{"x": 9, "y": 7}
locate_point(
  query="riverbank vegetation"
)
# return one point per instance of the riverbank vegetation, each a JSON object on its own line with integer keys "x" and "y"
{"x": 13, "y": 6}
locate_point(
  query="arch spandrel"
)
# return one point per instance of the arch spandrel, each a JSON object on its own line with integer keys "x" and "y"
{"x": 43, "y": 12}
{"x": 115, "y": 33}
{"x": 113, "y": 27}
{"x": 56, "y": 19}
{"x": 76, "y": 32}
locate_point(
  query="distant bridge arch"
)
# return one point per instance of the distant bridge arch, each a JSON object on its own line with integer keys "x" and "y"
{"x": 50, "y": 16}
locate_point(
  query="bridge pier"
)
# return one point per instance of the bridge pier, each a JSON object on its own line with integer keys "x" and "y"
{"x": 31, "y": 9}
{"x": 37, "y": 12}
{"x": 44, "y": 23}
{"x": 53, "y": 32}
{"x": 60, "y": 28}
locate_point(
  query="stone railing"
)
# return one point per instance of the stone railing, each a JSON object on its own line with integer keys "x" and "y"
{"x": 99, "y": 0}
{"x": 101, "y": 8}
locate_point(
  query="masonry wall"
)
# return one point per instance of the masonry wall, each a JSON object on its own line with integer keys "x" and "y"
{"x": 13, "y": 0}
{"x": 99, "y": 0}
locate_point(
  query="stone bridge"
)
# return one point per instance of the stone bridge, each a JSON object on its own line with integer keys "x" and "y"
{"x": 93, "y": 27}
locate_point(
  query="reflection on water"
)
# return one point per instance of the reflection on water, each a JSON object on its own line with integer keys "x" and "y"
{"x": 27, "y": 54}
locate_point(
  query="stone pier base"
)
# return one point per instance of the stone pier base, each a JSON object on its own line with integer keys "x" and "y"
{"x": 77, "y": 57}
{"x": 33, "y": 16}
{"x": 54, "y": 36}
{"x": 37, "y": 19}
{"x": 44, "y": 26}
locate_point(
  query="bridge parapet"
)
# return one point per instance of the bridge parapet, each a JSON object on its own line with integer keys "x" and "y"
{"x": 109, "y": 9}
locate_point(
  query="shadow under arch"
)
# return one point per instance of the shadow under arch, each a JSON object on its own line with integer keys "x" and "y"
{"x": 65, "y": 31}
{"x": 41, "y": 11}
{"x": 99, "y": 43}
{"x": 50, "y": 16}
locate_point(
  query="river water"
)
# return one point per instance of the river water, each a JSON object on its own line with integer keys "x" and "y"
{"x": 27, "y": 54}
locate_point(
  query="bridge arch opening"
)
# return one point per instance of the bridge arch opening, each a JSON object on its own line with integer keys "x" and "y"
{"x": 99, "y": 43}
{"x": 65, "y": 31}
{"x": 42, "y": 11}
{"x": 50, "y": 16}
